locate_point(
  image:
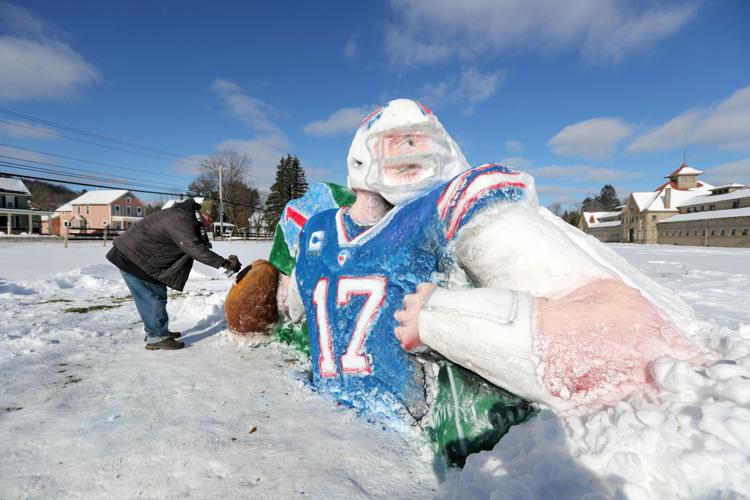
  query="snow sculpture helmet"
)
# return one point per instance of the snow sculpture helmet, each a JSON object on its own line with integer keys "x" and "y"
{"x": 400, "y": 151}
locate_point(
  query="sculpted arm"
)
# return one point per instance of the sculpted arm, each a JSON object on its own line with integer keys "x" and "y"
{"x": 545, "y": 321}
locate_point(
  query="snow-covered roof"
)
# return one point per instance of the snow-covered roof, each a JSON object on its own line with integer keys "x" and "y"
{"x": 677, "y": 197}
{"x": 612, "y": 223}
{"x": 64, "y": 208}
{"x": 712, "y": 198}
{"x": 643, "y": 200}
{"x": 728, "y": 186}
{"x": 8, "y": 184}
{"x": 604, "y": 215}
{"x": 101, "y": 197}
{"x": 656, "y": 200}
{"x": 684, "y": 169}
{"x": 710, "y": 214}
{"x": 593, "y": 219}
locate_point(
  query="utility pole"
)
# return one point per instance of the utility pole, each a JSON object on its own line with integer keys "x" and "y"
{"x": 221, "y": 204}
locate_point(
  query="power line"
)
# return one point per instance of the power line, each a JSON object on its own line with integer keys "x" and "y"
{"x": 88, "y": 172}
{"x": 107, "y": 146}
{"x": 149, "y": 151}
{"x": 92, "y": 162}
{"x": 101, "y": 186}
{"x": 18, "y": 166}
{"x": 101, "y": 163}
{"x": 87, "y": 133}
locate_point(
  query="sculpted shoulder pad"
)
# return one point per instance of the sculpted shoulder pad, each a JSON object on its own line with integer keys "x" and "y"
{"x": 478, "y": 187}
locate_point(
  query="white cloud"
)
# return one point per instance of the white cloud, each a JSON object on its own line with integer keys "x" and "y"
{"x": 22, "y": 130}
{"x": 514, "y": 145}
{"x": 249, "y": 110}
{"x": 570, "y": 172}
{"x": 590, "y": 139}
{"x": 437, "y": 31}
{"x": 343, "y": 120}
{"x": 516, "y": 162}
{"x": 468, "y": 89}
{"x": 565, "y": 195}
{"x": 24, "y": 155}
{"x": 36, "y": 63}
{"x": 268, "y": 144}
{"x": 189, "y": 165}
{"x": 582, "y": 173}
{"x": 315, "y": 174}
{"x": 667, "y": 136}
{"x": 351, "y": 49}
{"x": 725, "y": 125}
{"x": 265, "y": 153}
{"x": 736, "y": 171}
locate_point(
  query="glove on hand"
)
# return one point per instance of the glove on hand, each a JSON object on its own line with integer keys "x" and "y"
{"x": 232, "y": 263}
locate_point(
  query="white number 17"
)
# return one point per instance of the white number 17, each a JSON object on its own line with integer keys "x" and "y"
{"x": 354, "y": 360}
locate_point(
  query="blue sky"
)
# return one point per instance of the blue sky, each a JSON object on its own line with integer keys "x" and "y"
{"x": 579, "y": 93}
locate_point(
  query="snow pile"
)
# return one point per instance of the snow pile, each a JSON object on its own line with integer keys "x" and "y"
{"x": 691, "y": 440}
{"x": 176, "y": 424}
{"x": 86, "y": 412}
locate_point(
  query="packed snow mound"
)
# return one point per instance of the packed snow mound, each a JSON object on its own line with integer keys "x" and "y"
{"x": 692, "y": 440}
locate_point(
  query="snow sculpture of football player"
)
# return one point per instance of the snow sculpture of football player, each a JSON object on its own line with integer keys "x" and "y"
{"x": 508, "y": 294}
{"x": 353, "y": 279}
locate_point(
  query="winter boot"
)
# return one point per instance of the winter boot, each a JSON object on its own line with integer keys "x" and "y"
{"x": 168, "y": 343}
{"x": 175, "y": 335}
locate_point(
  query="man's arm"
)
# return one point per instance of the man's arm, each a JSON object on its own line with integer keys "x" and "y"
{"x": 184, "y": 235}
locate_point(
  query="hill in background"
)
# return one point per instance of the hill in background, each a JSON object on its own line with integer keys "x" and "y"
{"x": 48, "y": 196}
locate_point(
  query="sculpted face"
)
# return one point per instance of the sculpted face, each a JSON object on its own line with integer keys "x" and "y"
{"x": 405, "y": 157}
{"x": 401, "y": 151}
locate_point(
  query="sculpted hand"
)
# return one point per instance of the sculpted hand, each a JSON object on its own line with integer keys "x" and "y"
{"x": 407, "y": 332}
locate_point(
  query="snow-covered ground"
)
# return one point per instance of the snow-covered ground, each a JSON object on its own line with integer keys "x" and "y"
{"x": 85, "y": 411}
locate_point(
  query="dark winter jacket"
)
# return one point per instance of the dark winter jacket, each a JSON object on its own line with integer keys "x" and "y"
{"x": 165, "y": 243}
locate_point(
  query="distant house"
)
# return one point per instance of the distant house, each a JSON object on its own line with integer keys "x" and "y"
{"x": 111, "y": 208}
{"x": 720, "y": 218}
{"x": 17, "y": 214}
{"x": 642, "y": 211}
{"x": 605, "y": 226}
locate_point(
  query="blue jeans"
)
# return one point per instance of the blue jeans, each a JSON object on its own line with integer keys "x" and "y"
{"x": 151, "y": 301}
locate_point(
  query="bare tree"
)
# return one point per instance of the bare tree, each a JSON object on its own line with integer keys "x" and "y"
{"x": 241, "y": 198}
{"x": 556, "y": 208}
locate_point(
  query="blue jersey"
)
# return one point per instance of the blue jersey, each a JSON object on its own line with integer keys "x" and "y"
{"x": 352, "y": 280}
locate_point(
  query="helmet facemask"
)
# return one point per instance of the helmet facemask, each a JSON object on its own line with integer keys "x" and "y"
{"x": 402, "y": 152}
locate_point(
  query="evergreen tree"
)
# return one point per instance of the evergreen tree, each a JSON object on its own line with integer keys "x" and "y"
{"x": 572, "y": 216}
{"x": 298, "y": 180}
{"x": 290, "y": 183}
{"x": 607, "y": 199}
{"x": 589, "y": 204}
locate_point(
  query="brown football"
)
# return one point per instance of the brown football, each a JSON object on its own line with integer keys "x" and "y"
{"x": 251, "y": 303}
